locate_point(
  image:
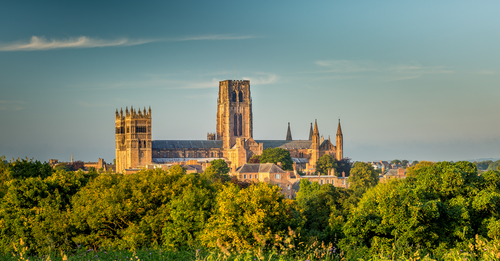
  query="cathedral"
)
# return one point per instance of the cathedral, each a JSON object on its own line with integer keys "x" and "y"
{"x": 233, "y": 140}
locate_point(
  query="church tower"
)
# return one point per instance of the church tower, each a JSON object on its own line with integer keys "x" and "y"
{"x": 315, "y": 145}
{"x": 339, "y": 143}
{"x": 234, "y": 112}
{"x": 132, "y": 138}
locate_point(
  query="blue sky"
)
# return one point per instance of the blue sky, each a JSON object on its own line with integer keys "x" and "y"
{"x": 416, "y": 80}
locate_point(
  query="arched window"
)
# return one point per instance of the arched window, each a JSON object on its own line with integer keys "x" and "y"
{"x": 239, "y": 124}
{"x": 234, "y": 96}
{"x": 240, "y": 96}
{"x": 235, "y": 125}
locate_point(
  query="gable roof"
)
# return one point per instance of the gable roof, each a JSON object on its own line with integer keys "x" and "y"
{"x": 259, "y": 168}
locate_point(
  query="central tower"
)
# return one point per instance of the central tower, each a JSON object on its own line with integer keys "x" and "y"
{"x": 234, "y": 112}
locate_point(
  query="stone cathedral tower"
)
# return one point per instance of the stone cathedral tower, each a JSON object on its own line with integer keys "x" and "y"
{"x": 234, "y": 112}
{"x": 132, "y": 138}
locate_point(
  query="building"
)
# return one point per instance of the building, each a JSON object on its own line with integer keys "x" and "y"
{"x": 232, "y": 141}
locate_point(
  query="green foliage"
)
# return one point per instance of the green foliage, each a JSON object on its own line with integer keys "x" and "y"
{"x": 62, "y": 166}
{"x": 322, "y": 208}
{"x": 275, "y": 155}
{"x": 217, "y": 171}
{"x": 343, "y": 165}
{"x": 324, "y": 164}
{"x": 248, "y": 218}
{"x": 395, "y": 161}
{"x": 254, "y": 159}
{"x": 24, "y": 168}
{"x": 440, "y": 207}
{"x": 363, "y": 176}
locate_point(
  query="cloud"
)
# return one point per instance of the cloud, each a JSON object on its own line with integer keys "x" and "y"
{"x": 486, "y": 72}
{"x": 391, "y": 72}
{"x": 37, "y": 43}
{"x": 267, "y": 78}
{"x": 41, "y": 43}
{"x": 11, "y": 105}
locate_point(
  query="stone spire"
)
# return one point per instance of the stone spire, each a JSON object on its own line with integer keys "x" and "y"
{"x": 339, "y": 143}
{"x": 311, "y": 132}
{"x": 288, "y": 133}
{"x": 316, "y": 131}
{"x": 71, "y": 157}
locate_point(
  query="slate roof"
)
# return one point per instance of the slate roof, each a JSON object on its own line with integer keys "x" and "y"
{"x": 257, "y": 167}
{"x": 168, "y": 160}
{"x": 286, "y": 144}
{"x": 300, "y": 160}
{"x": 187, "y": 144}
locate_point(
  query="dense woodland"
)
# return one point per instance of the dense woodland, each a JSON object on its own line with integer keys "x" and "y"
{"x": 440, "y": 208}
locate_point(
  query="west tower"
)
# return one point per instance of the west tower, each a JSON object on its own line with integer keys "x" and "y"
{"x": 132, "y": 138}
{"x": 234, "y": 112}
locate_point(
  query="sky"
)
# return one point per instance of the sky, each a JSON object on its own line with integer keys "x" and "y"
{"x": 415, "y": 80}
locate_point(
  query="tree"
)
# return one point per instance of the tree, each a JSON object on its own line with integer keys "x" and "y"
{"x": 248, "y": 218}
{"x": 324, "y": 164}
{"x": 62, "y": 166}
{"x": 218, "y": 170}
{"x": 404, "y": 163}
{"x": 363, "y": 176}
{"x": 415, "y": 162}
{"x": 396, "y": 161}
{"x": 343, "y": 165}
{"x": 442, "y": 206}
{"x": 254, "y": 159}
{"x": 275, "y": 155}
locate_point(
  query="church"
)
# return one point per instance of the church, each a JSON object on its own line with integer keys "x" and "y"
{"x": 233, "y": 140}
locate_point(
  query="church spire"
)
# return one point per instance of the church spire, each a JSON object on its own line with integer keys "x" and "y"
{"x": 339, "y": 130}
{"x": 311, "y": 132}
{"x": 339, "y": 143}
{"x": 288, "y": 133}
{"x": 316, "y": 131}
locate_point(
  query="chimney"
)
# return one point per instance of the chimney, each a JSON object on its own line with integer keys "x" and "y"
{"x": 343, "y": 174}
{"x": 279, "y": 164}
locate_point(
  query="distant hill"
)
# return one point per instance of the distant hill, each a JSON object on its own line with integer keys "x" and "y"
{"x": 484, "y": 159}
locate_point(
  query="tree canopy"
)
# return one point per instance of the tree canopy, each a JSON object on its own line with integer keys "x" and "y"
{"x": 275, "y": 155}
{"x": 324, "y": 164}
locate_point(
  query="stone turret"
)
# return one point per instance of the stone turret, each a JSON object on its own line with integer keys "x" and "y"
{"x": 311, "y": 132}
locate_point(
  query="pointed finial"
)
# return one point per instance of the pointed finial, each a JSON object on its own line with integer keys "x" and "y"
{"x": 339, "y": 129}
{"x": 289, "y": 133}
{"x": 311, "y": 132}
{"x": 316, "y": 131}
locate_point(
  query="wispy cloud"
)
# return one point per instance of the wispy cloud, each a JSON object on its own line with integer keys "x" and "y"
{"x": 486, "y": 72}
{"x": 392, "y": 72}
{"x": 263, "y": 78}
{"x": 40, "y": 43}
{"x": 11, "y": 105}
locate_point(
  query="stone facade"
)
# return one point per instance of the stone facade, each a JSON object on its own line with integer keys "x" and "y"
{"x": 133, "y": 138}
{"x": 232, "y": 141}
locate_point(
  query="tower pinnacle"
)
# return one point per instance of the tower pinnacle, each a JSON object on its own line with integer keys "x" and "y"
{"x": 288, "y": 133}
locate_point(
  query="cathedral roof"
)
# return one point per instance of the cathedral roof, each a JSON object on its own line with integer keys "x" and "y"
{"x": 186, "y": 144}
{"x": 286, "y": 144}
{"x": 260, "y": 168}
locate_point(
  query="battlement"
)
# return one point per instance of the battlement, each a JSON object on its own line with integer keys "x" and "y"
{"x": 133, "y": 114}
{"x": 211, "y": 136}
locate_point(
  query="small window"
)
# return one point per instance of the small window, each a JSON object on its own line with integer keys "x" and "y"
{"x": 277, "y": 176}
{"x": 288, "y": 187}
{"x": 245, "y": 176}
{"x": 250, "y": 176}
{"x": 321, "y": 182}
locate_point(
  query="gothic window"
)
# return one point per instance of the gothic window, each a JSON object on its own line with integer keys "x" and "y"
{"x": 144, "y": 144}
{"x": 164, "y": 154}
{"x": 240, "y": 96}
{"x": 234, "y": 96}
{"x": 211, "y": 154}
{"x": 239, "y": 125}
{"x": 235, "y": 125}
{"x": 128, "y": 129}
{"x": 199, "y": 154}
